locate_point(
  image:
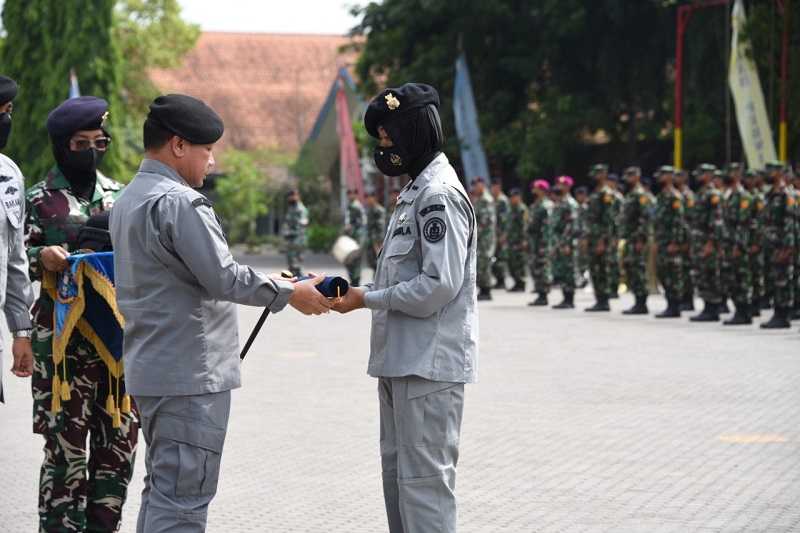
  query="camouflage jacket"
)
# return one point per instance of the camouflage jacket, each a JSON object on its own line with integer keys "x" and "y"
{"x": 564, "y": 229}
{"x": 757, "y": 214}
{"x": 376, "y": 224}
{"x": 295, "y": 224}
{"x": 538, "y": 229}
{"x": 54, "y": 216}
{"x": 689, "y": 206}
{"x": 486, "y": 223}
{"x": 635, "y": 218}
{"x": 600, "y": 215}
{"x": 501, "y": 210}
{"x": 707, "y": 223}
{"x": 738, "y": 215}
{"x": 669, "y": 218}
{"x": 355, "y": 222}
{"x": 779, "y": 219}
{"x": 516, "y": 226}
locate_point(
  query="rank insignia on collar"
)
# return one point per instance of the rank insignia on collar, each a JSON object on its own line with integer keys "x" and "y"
{"x": 392, "y": 102}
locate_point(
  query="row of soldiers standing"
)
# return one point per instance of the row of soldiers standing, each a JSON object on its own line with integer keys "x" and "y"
{"x": 734, "y": 238}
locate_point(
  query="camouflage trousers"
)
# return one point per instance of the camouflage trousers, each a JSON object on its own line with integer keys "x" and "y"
{"x": 737, "y": 278}
{"x": 539, "y": 262}
{"x": 484, "y": 267}
{"x": 294, "y": 258}
{"x": 707, "y": 272}
{"x": 599, "y": 269}
{"x": 516, "y": 265}
{"x": 614, "y": 271}
{"x": 671, "y": 273}
{"x": 372, "y": 256}
{"x": 756, "y": 264}
{"x": 354, "y": 269}
{"x": 688, "y": 273}
{"x": 500, "y": 266}
{"x": 635, "y": 264}
{"x": 780, "y": 277}
{"x": 564, "y": 268}
{"x": 68, "y": 501}
{"x": 583, "y": 260}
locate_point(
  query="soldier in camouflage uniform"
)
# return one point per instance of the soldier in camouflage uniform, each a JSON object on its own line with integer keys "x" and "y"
{"x": 582, "y": 199}
{"x": 539, "y": 241}
{"x": 681, "y": 178}
{"x": 670, "y": 234}
{"x": 294, "y": 232}
{"x": 601, "y": 227}
{"x": 795, "y": 189}
{"x": 376, "y": 229}
{"x": 56, "y": 209}
{"x": 486, "y": 225}
{"x": 708, "y": 232}
{"x": 355, "y": 227}
{"x": 516, "y": 240}
{"x": 737, "y": 276}
{"x": 614, "y": 271}
{"x": 780, "y": 244}
{"x": 635, "y": 229}
{"x": 564, "y": 234}
{"x": 755, "y": 253}
{"x": 501, "y": 208}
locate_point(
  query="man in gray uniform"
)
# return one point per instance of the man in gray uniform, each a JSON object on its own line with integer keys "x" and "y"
{"x": 176, "y": 287}
{"x": 16, "y": 295}
{"x": 424, "y": 343}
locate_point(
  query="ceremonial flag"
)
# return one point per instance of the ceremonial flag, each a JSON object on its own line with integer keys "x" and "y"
{"x": 74, "y": 90}
{"x": 473, "y": 158}
{"x": 85, "y": 298}
{"x": 349, "y": 163}
{"x": 751, "y": 113}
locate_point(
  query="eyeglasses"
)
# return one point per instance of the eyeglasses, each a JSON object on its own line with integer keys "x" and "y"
{"x": 80, "y": 145}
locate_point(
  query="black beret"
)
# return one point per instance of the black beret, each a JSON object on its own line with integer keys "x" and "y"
{"x": 613, "y": 177}
{"x": 497, "y": 181}
{"x": 74, "y": 114}
{"x": 515, "y": 192}
{"x": 599, "y": 167}
{"x": 581, "y": 190}
{"x": 394, "y": 102}
{"x": 8, "y": 89}
{"x": 187, "y": 117}
{"x": 633, "y": 171}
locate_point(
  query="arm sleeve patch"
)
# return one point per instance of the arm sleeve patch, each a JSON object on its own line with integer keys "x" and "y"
{"x": 425, "y": 211}
{"x": 197, "y": 202}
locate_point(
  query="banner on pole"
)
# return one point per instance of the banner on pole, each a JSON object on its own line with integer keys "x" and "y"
{"x": 350, "y": 164}
{"x": 473, "y": 158}
{"x": 751, "y": 113}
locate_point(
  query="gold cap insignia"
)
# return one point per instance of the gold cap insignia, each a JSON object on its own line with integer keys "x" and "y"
{"x": 392, "y": 102}
{"x": 395, "y": 160}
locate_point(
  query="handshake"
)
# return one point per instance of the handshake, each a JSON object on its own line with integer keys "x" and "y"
{"x": 317, "y": 295}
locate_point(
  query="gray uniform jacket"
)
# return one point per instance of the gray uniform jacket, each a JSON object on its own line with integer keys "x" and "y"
{"x": 176, "y": 285}
{"x": 16, "y": 294}
{"x": 425, "y": 320}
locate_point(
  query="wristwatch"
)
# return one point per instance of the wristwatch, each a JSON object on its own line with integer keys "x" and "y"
{"x": 22, "y": 333}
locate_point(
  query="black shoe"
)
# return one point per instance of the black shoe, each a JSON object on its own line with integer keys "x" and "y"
{"x": 614, "y": 295}
{"x": 519, "y": 286}
{"x": 755, "y": 310}
{"x": 764, "y": 303}
{"x": 568, "y": 302}
{"x": 795, "y": 314}
{"x": 779, "y": 320}
{"x": 600, "y": 306}
{"x": 708, "y": 314}
{"x": 639, "y": 308}
{"x": 740, "y": 317}
{"x": 540, "y": 300}
{"x": 673, "y": 310}
{"x": 687, "y": 304}
{"x": 501, "y": 284}
{"x": 723, "y": 308}
{"x": 484, "y": 295}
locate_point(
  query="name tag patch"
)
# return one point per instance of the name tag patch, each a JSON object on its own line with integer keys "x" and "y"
{"x": 403, "y": 230}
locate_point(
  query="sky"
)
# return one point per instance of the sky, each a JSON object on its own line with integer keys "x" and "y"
{"x": 271, "y": 16}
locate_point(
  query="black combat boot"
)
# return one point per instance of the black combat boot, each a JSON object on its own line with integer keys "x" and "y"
{"x": 568, "y": 302}
{"x": 484, "y": 294}
{"x": 519, "y": 286}
{"x": 639, "y": 308}
{"x": 710, "y": 313}
{"x": 540, "y": 300}
{"x": 673, "y": 309}
{"x": 723, "y": 308}
{"x": 501, "y": 284}
{"x": 741, "y": 316}
{"x": 600, "y": 305}
{"x": 765, "y": 303}
{"x": 687, "y": 304}
{"x": 779, "y": 320}
{"x": 795, "y": 314}
{"x": 755, "y": 309}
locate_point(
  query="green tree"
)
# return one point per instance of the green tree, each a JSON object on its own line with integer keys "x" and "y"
{"x": 44, "y": 40}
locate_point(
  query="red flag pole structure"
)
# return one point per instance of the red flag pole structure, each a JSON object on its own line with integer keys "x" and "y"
{"x": 684, "y": 13}
{"x": 349, "y": 164}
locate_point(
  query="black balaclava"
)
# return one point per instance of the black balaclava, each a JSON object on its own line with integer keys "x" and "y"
{"x": 5, "y": 129}
{"x": 417, "y": 139}
{"x": 80, "y": 168}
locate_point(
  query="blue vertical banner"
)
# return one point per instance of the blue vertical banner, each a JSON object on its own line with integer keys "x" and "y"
{"x": 74, "y": 89}
{"x": 473, "y": 158}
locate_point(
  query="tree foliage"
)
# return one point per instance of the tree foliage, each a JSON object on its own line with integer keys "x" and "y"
{"x": 559, "y": 83}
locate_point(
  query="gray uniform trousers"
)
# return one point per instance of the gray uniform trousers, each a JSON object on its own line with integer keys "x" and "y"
{"x": 420, "y": 429}
{"x": 184, "y": 436}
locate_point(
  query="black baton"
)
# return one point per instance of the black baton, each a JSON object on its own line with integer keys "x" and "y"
{"x": 254, "y": 333}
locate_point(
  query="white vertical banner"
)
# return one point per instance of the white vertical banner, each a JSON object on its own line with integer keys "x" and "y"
{"x": 751, "y": 113}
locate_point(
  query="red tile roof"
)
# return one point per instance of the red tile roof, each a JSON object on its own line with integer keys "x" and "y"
{"x": 268, "y": 88}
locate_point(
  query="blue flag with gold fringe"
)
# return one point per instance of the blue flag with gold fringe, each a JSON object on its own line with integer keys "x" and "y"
{"x": 85, "y": 299}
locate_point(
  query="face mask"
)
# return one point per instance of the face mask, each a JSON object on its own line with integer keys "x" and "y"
{"x": 5, "y": 129}
{"x": 292, "y": 202}
{"x": 391, "y": 161}
{"x": 80, "y": 168}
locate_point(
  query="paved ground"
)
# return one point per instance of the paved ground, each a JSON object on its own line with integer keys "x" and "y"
{"x": 579, "y": 423}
